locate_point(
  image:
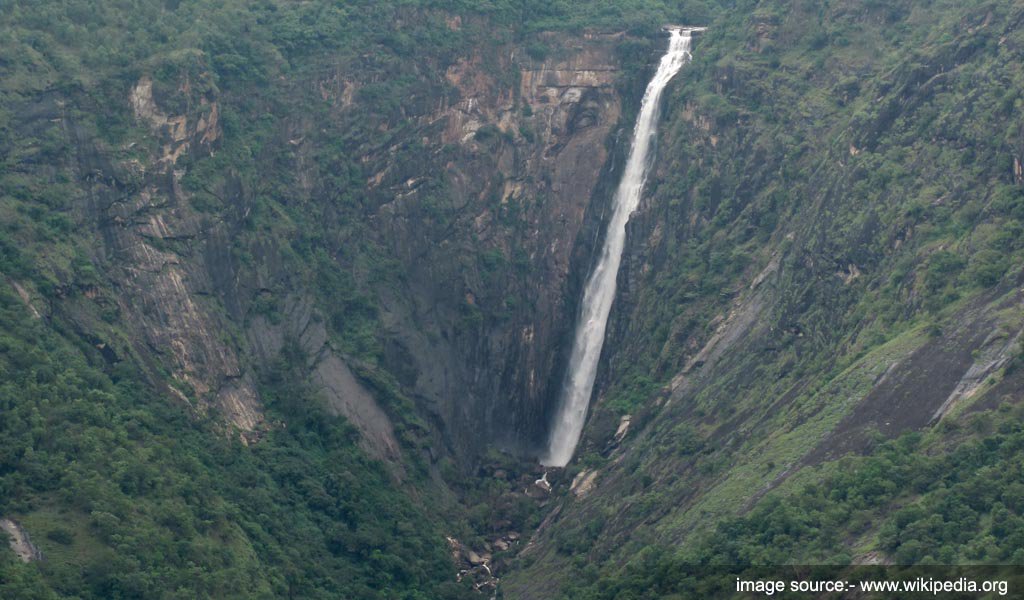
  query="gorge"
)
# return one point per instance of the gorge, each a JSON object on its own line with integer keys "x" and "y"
{"x": 296, "y": 296}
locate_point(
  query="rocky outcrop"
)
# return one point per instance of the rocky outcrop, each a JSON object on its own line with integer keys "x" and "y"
{"x": 152, "y": 236}
{"x": 328, "y": 372}
{"x": 583, "y": 483}
{"x": 482, "y": 568}
{"x": 27, "y": 298}
{"x": 20, "y": 543}
{"x": 993, "y": 354}
{"x": 144, "y": 287}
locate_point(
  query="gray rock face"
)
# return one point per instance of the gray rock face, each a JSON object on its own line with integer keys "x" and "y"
{"x": 483, "y": 228}
{"x": 345, "y": 395}
{"x": 151, "y": 250}
{"x": 481, "y": 337}
{"x": 20, "y": 543}
{"x": 152, "y": 235}
{"x": 486, "y": 297}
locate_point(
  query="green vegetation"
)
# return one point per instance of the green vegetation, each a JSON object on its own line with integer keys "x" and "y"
{"x": 130, "y": 497}
{"x": 836, "y": 194}
{"x": 860, "y": 161}
{"x": 958, "y": 506}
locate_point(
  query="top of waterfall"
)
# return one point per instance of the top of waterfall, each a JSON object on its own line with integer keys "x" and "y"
{"x": 683, "y": 28}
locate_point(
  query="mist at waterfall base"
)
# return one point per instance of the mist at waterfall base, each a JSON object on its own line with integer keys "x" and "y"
{"x": 599, "y": 292}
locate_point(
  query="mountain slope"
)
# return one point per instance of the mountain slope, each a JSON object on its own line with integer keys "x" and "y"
{"x": 829, "y": 259}
{"x": 288, "y": 290}
{"x": 270, "y": 283}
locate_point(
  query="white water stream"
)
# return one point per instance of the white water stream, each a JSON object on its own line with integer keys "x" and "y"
{"x": 600, "y": 289}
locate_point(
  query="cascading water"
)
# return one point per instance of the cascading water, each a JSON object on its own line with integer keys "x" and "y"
{"x": 600, "y": 289}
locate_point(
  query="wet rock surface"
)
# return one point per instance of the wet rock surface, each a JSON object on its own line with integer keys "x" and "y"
{"x": 523, "y": 166}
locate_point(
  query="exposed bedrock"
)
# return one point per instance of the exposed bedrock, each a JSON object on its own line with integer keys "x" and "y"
{"x": 491, "y": 292}
{"x": 485, "y": 207}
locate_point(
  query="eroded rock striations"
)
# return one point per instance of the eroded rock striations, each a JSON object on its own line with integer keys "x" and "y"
{"x": 480, "y": 205}
{"x": 486, "y": 305}
{"x": 155, "y": 242}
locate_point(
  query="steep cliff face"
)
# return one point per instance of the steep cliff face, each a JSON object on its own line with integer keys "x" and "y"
{"x": 474, "y": 206}
{"x": 475, "y": 203}
{"x": 520, "y": 147}
{"x": 141, "y": 289}
{"x": 157, "y": 249}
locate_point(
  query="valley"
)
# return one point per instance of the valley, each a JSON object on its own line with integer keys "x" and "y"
{"x": 292, "y": 293}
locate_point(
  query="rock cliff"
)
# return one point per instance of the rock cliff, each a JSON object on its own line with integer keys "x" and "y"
{"x": 479, "y": 203}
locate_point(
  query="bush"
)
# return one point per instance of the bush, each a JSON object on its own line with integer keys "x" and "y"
{"x": 987, "y": 268}
{"x": 62, "y": 536}
{"x": 943, "y": 267}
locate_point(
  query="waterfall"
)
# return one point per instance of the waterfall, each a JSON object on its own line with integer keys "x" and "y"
{"x": 600, "y": 289}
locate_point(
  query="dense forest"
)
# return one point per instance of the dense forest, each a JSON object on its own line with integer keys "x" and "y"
{"x": 286, "y": 286}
